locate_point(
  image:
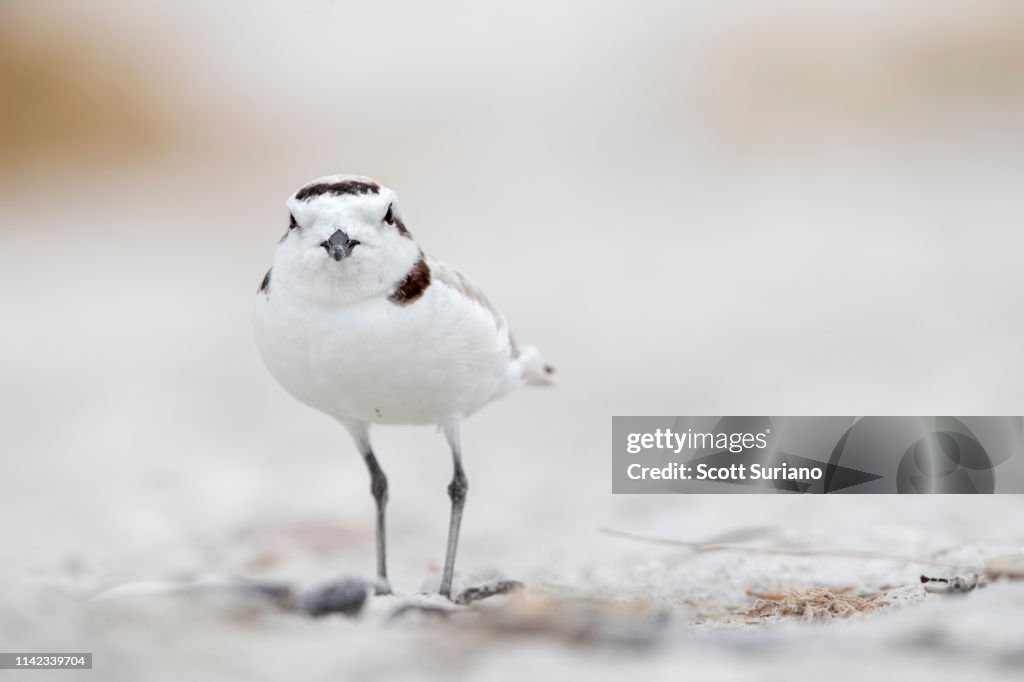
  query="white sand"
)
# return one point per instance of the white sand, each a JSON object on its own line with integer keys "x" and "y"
{"x": 671, "y": 250}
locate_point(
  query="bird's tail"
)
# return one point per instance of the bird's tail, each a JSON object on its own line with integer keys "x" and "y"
{"x": 534, "y": 370}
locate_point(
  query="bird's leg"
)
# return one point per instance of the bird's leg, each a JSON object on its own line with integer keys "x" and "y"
{"x": 379, "y": 489}
{"x": 457, "y": 492}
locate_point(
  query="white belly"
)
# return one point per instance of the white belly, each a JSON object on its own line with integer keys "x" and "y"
{"x": 376, "y": 361}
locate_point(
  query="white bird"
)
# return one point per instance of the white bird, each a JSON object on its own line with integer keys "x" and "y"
{"x": 353, "y": 319}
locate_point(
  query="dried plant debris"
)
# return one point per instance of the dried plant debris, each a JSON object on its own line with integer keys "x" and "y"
{"x": 954, "y": 585}
{"x": 1001, "y": 568}
{"x": 472, "y": 594}
{"x": 815, "y": 603}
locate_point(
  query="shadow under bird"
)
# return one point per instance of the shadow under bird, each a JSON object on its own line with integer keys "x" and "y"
{"x": 354, "y": 320}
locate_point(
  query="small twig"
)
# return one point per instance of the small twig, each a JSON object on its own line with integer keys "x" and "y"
{"x": 472, "y": 594}
{"x": 791, "y": 551}
{"x": 955, "y": 585}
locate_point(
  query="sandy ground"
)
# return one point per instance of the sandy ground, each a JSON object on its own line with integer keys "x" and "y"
{"x": 169, "y": 456}
{"x": 689, "y": 211}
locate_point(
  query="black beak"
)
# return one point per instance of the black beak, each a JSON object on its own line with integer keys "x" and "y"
{"x": 339, "y": 245}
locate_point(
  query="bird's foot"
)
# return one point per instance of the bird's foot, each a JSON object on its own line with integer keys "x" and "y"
{"x": 381, "y": 587}
{"x": 437, "y": 604}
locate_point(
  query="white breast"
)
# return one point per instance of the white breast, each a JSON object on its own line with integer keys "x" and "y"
{"x": 377, "y": 361}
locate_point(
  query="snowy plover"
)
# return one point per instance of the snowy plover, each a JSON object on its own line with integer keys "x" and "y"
{"x": 355, "y": 320}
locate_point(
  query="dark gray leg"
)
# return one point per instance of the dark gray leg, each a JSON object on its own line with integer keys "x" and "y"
{"x": 379, "y": 489}
{"x": 457, "y": 492}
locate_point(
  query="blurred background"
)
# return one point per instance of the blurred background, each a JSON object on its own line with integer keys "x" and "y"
{"x": 692, "y": 208}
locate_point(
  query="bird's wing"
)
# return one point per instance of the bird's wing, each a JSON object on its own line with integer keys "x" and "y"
{"x": 451, "y": 277}
{"x": 527, "y": 360}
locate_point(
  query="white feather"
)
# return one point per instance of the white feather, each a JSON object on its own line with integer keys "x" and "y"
{"x": 330, "y": 334}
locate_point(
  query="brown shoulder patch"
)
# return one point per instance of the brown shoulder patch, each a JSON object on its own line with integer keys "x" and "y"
{"x": 401, "y": 228}
{"x": 265, "y": 286}
{"x": 414, "y": 284}
{"x": 355, "y": 187}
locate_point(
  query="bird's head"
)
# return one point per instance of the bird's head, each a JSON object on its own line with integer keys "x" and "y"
{"x": 345, "y": 241}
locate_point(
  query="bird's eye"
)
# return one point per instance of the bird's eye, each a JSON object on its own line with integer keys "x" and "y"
{"x": 291, "y": 222}
{"x": 389, "y": 217}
